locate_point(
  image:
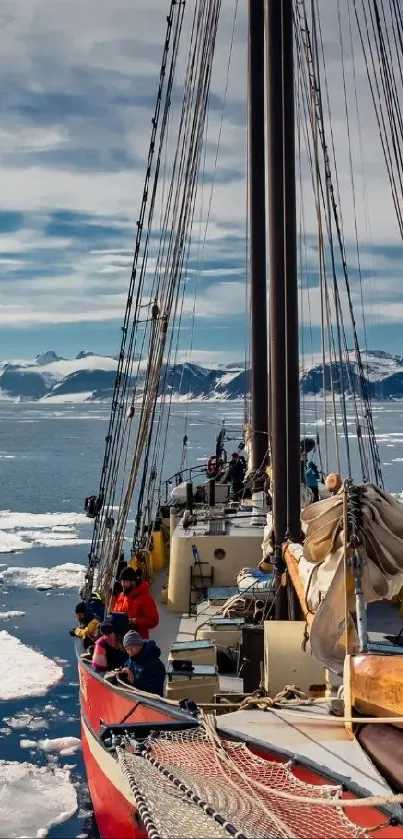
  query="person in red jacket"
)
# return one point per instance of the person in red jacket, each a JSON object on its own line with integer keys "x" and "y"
{"x": 136, "y": 601}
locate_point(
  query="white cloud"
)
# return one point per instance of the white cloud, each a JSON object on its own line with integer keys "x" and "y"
{"x": 79, "y": 86}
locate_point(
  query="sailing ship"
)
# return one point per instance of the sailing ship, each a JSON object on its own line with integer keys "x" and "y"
{"x": 311, "y": 745}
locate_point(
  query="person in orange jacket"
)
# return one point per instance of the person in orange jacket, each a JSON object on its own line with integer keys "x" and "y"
{"x": 136, "y": 601}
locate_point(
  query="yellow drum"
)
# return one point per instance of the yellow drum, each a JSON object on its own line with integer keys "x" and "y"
{"x": 158, "y": 558}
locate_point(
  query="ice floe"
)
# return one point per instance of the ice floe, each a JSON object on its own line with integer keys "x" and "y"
{"x": 33, "y": 798}
{"x": 25, "y": 672}
{"x": 59, "y": 745}
{"x": 13, "y": 521}
{"x": 27, "y": 721}
{"x": 20, "y": 531}
{"x": 68, "y": 575}
{"x": 9, "y": 543}
{"x": 6, "y": 616}
{"x": 27, "y": 744}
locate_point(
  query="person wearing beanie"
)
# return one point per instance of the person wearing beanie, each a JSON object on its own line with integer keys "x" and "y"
{"x": 144, "y": 668}
{"x": 136, "y": 601}
{"x": 109, "y": 652}
{"x": 88, "y": 624}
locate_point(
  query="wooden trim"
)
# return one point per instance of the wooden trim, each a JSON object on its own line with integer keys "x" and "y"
{"x": 376, "y": 684}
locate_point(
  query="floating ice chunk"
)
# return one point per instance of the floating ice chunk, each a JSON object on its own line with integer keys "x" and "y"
{"x": 33, "y": 798}
{"x": 39, "y": 529}
{"x": 68, "y": 575}
{"x": 61, "y": 745}
{"x": 52, "y": 538}
{"x": 6, "y": 616}
{"x": 26, "y": 721}
{"x": 17, "y": 521}
{"x": 28, "y": 744}
{"x": 9, "y": 543}
{"x": 25, "y": 672}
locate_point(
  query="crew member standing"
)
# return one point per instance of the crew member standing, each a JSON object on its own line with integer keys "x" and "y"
{"x": 137, "y": 602}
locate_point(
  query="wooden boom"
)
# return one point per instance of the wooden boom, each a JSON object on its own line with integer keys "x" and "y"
{"x": 293, "y": 573}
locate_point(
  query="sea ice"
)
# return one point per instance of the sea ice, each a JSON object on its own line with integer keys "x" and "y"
{"x": 19, "y": 531}
{"x": 28, "y": 744}
{"x": 6, "y": 616}
{"x": 44, "y": 796}
{"x": 28, "y": 721}
{"x": 68, "y": 575}
{"x": 15, "y": 521}
{"x": 52, "y": 538}
{"x": 60, "y": 745}
{"x": 11, "y": 544}
{"x": 25, "y": 672}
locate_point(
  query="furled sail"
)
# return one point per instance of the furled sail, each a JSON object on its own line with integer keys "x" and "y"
{"x": 379, "y": 531}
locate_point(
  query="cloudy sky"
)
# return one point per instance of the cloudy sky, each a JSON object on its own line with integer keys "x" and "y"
{"x": 77, "y": 92}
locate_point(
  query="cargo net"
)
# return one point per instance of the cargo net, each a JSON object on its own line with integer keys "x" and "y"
{"x": 195, "y": 786}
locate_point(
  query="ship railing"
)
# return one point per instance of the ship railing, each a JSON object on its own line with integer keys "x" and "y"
{"x": 182, "y": 476}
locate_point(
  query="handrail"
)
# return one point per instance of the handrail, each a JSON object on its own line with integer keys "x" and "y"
{"x": 182, "y": 475}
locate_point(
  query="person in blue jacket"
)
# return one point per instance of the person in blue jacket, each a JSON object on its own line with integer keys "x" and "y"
{"x": 312, "y": 478}
{"x": 144, "y": 668}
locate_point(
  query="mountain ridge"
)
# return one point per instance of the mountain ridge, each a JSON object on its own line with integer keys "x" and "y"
{"x": 90, "y": 377}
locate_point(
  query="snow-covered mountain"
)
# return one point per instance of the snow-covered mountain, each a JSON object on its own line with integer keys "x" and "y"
{"x": 383, "y": 375}
{"x": 90, "y": 377}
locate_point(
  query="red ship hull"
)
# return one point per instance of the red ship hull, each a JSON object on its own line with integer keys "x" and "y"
{"x": 115, "y": 815}
{"x": 113, "y": 801}
{"x": 102, "y": 704}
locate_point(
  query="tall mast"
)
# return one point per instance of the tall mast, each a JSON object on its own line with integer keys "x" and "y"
{"x": 291, "y": 282}
{"x": 257, "y": 205}
{"x": 284, "y": 358}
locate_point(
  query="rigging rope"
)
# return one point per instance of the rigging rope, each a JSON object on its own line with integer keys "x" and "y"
{"x": 174, "y": 26}
{"x": 383, "y": 86}
{"x": 200, "y": 258}
{"x": 171, "y": 258}
{"x": 308, "y": 48}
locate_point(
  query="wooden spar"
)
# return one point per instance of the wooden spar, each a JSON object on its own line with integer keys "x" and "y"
{"x": 257, "y": 210}
{"x": 293, "y": 573}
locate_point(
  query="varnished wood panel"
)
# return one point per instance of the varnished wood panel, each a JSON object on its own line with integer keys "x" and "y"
{"x": 377, "y": 685}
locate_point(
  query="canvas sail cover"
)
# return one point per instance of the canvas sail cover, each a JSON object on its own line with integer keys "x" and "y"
{"x": 321, "y": 566}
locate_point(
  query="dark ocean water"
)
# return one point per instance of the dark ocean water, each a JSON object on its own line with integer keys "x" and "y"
{"x": 50, "y": 459}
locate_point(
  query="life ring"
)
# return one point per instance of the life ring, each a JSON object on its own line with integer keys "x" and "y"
{"x": 214, "y": 465}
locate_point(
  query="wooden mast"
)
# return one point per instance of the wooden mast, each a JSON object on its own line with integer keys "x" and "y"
{"x": 291, "y": 283}
{"x": 257, "y": 210}
{"x": 284, "y": 393}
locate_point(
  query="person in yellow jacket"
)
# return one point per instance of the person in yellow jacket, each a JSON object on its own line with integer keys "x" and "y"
{"x": 88, "y": 624}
